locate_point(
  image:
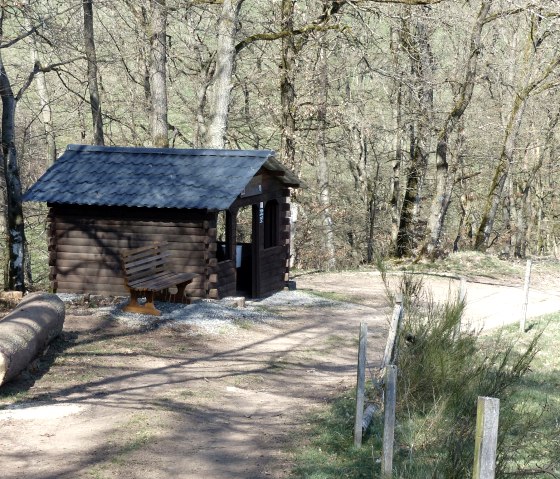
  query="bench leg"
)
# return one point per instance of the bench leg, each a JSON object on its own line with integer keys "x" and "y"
{"x": 148, "y": 308}
{"x": 179, "y": 296}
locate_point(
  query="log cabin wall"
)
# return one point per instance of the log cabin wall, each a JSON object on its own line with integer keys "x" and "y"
{"x": 85, "y": 244}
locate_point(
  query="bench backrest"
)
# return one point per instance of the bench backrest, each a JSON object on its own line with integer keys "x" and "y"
{"x": 144, "y": 262}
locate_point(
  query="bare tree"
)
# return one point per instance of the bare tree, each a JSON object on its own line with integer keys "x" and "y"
{"x": 158, "y": 75}
{"x": 89, "y": 47}
{"x": 222, "y": 81}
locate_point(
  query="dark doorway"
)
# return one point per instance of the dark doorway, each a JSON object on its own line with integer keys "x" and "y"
{"x": 244, "y": 251}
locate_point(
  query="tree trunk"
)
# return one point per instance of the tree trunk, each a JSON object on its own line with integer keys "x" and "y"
{"x": 158, "y": 75}
{"x": 406, "y": 234}
{"x": 445, "y": 180}
{"x": 14, "y": 211}
{"x": 205, "y": 80}
{"x": 287, "y": 88}
{"x": 27, "y": 330}
{"x": 494, "y": 195}
{"x": 415, "y": 42}
{"x": 322, "y": 162}
{"x": 94, "y": 99}
{"x": 45, "y": 103}
{"x": 222, "y": 83}
{"x": 534, "y": 80}
{"x": 396, "y": 170}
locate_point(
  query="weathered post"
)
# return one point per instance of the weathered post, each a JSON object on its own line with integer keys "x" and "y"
{"x": 389, "y": 424}
{"x": 463, "y": 289}
{"x": 391, "y": 345}
{"x": 486, "y": 437}
{"x": 525, "y": 296}
{"x": 462, "y": 299}
{"x": 361, "y": 385}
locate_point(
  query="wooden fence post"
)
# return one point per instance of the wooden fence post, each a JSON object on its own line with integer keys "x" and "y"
{"x": 391, "y": 345}
{"x": 462, "y": 298}
{"x": 361, "y": 385}
{"x": 389, "y": 424}
{"x": 463, "y": 289}
{"x": 486, "y": 438}
{"x": 525, "y": 296}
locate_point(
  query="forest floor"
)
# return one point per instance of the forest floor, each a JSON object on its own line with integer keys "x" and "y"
{"x": 165, "y": 399}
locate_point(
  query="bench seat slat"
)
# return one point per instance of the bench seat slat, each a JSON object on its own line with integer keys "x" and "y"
{"x": 165, "y": 280}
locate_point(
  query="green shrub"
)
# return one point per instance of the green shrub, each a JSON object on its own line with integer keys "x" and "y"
{"x": 441, "y": 374}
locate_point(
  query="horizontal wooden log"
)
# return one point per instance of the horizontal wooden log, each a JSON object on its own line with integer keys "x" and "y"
{"x": 270, "y": 291}
{"x": 272, "y": 280}
{"x": 273, "y": 269}
{"x": 129, "y": 232}
{"x": 124, "y": 240}
{"x": 27, "y": 330}
{"x": 272, "y": 283}
{"x": 119, "y": 213}
{"x": 276, "y": 252}
{"x": 92, "y": 270}
{"x": 111, "y": 290}
{"x": 227, "y": 276}
{"x": 226, "y": 285}
{"x": 103, "y": 224}
{"x": 226, "y": 291}
{"x": 83, "y": 253}
{"x": 102, "y": 248}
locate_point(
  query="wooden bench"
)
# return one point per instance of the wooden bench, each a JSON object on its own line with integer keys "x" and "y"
{"x": 146, "y": 274}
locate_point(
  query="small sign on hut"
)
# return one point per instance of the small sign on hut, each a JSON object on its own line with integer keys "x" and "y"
{"x": 224, "y": 214}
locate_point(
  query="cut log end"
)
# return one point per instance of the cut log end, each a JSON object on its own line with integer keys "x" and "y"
{"x": 27, "y": 330}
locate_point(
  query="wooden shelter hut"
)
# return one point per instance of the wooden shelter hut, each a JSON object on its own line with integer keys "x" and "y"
{"x": 225, "y": 215}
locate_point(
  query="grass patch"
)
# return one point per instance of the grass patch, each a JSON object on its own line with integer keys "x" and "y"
{"x": 440, "y": 377}
{"x": 532, "y": 445}
{"x": 328, "y": 450}
{"x": 329, "y": 295}
{"x": 466, "y": 263}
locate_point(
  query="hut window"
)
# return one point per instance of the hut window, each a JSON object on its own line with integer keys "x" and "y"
{"x": 223, "y": 236}
{"x": 271, "y": 219}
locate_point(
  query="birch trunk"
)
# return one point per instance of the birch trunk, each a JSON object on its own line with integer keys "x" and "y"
{"x": 45, "y": 103}
{"x": 14, "y": 210}
{"x": 322, "y": 162}
{"x": 93, "y": 87}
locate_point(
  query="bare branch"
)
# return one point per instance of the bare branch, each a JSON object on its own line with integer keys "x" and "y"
{"x": 37, "y": 68}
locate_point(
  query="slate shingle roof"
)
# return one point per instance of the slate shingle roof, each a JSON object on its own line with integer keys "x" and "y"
{"x": 152, "y": 177}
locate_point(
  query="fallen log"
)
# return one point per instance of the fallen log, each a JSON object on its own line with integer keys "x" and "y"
{"x": 27, "y": 330}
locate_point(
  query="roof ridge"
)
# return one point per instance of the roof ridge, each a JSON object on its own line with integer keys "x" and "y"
{"x": 171, "y": 151}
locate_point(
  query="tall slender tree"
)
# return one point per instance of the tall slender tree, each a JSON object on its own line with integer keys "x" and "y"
{"x": 93, "y": 86}
{"x": 158, "y": 75}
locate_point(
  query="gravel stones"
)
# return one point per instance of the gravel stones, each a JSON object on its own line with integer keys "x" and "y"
{"x": 206, "y": 316}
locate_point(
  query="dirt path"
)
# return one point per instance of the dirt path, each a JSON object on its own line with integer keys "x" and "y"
{"x": 166, "y": 404}
{"x": 121, "y": 402}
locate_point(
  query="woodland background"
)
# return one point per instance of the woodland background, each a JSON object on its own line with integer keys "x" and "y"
{"x": 419, "y": 127}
